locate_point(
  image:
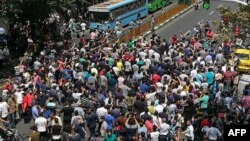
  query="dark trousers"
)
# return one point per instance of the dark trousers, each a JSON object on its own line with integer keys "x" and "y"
{"x": 13, "y": 119}
{"x": 66, "y": 126}
{"x": 43, "y": 136}
{"x": 56, "y": 140}
{"x": 92, "y": 131}
{"x": 163, "y": 137}
{"x": 26, "y": 117}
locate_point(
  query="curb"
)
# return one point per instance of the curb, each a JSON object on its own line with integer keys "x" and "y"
{"x": 170, "y": 19}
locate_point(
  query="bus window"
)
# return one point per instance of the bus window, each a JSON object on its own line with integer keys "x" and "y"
{"x": 115, "y": 13}
{"x": 99, "y": 16}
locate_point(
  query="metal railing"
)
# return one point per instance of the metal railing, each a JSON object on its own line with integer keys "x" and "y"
{"x": 145, "y": 27}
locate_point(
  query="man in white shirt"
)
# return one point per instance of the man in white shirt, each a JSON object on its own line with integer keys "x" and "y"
{"x": 4, "y": 109}
{"x": 164, "y": 129}
{"x": 213, "y": 133}
{"x": 159, "y": 108}
{"x": 19, "y": 99}
{"x": 41, "y": 124}
{"x": 101, "y": 111}
{"x": 189, "y": 133}
{"x": 77, "y": 95}
{"x": 83, "y": 26}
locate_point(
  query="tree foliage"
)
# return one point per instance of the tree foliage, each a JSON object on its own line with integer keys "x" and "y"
{"x": 239, "y": 17}
{"x": 22, "y": 10}
{"x": 34, "y": 10}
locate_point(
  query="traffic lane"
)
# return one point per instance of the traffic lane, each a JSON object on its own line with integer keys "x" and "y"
{"x": 190, "y": 19}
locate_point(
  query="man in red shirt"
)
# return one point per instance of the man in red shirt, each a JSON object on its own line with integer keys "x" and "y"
{"x": 155, "y": 77}
{"x": 228, "y": 78}
{"x": 27, "y": 105}
{"x": 30, "y": 96}
{"x": 174, "y": 40}
{"x": 25, "y": 109}
{"x": 127, "y": 57}
{"x": 8, "y": 86}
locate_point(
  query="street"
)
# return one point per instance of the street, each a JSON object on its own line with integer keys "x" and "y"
{"x": 189, "y": 20}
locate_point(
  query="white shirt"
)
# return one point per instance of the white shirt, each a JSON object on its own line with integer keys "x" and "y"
{"x": 101, "y": 111}
{"x": 213, "y": 133}
{"x": 157, "y": 120}
{"x": 37, "y": 65}
{"x": 193, "y": 73}
{"x": 127, "y": 66}
{"x": 190, "y": 132}
{"x": 83, "y": 26}
{"x": 147, "y": 62}
{"x": 77, "y": 96}
{"x": 159, "y": 87}
{"x": 150, "y": 52}
{"x": 143, "y": 54}
{"x": 164, "y": 128}
{"x": 159, "y": 108}
{"x": 103, "y": 128}
{"x": 41, "y": 123}
{"x": 19, "y": 97}
{"x": 150, "y": 97}
{"x": 157, "y": 56}
{"x": 4, "y": 109}
{"x": 116, "y": 70}
{"x": 154, "y": 136}
{"x": 120, "y": 82}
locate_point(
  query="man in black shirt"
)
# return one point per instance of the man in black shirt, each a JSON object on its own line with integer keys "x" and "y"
{"x": 146, "y": 116}
{"x": 140, "y": 104}
{"x": 67, "y": 111}
{"x": 164, "y": 114}
{"x": 91, "y": 122}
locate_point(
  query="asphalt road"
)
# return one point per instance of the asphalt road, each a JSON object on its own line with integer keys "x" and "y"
{"x": 184, "y": 23}
{"x": 190, "y": 19}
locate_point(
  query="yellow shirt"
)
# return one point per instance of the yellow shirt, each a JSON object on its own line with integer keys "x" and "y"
{"x": 151, "y": 109}
{"x": 119, "y": 65}
{"x": 187, "y": 88}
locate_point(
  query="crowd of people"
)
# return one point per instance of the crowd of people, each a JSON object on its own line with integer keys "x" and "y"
{"x": 153, "y": 89}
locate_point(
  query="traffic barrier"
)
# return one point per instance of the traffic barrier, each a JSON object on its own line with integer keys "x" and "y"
{"x": 145, "y": 28}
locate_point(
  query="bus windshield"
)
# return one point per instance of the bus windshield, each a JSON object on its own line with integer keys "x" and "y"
{"x": 99, "y": 17}
{"x": 243, "y": 56}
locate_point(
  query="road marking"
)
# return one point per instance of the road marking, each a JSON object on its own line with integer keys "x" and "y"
{"x": 211, "y": 13}
{"x": 187, "y": 32}
{"x": 200, "y": 21}
{"x": 170, "y": 21}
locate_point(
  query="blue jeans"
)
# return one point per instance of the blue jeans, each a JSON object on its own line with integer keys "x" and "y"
{"x": 227, "y": 85}
{"x": 13, "y": 119}
{"x": 5, "y": 124}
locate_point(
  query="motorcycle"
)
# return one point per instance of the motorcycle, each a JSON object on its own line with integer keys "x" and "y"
{"x": 10, "y": 134}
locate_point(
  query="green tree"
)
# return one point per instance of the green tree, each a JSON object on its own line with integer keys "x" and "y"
{"x": 22, "y": 10}
{"x": 240, "y": 17}
{"x": 34, "y": 10}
